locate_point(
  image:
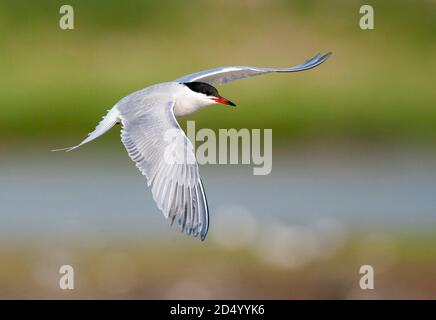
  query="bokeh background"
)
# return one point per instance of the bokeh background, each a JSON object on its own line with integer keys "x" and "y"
{"x": 354, "y": 163}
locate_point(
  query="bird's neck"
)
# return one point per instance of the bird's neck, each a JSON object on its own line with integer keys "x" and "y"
{"x": 186, "y": 104}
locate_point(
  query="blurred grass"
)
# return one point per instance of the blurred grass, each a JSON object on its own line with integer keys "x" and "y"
{"x": 135, "y": 270}
{"x": 377, "y": 87}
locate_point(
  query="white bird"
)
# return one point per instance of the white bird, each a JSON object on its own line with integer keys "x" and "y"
{"x": 148, "y": 115}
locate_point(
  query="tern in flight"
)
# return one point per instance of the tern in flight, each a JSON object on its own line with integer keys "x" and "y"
{"x": 149, "y": 114}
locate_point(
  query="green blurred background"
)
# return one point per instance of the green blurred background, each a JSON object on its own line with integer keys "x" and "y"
{"x": 354, "y": 174}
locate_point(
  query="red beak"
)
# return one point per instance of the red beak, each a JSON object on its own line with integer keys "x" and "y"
{"x": 224, "y": 101}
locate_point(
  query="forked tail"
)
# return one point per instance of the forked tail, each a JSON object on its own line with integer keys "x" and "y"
{"x": 105, "y": 124}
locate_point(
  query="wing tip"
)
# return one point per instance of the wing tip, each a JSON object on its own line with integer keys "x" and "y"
{"x": 200, "y": 229}
{"x": 318, "y": 59}
{"x": 313, "y": 62}
{"x": 191, "y": 227}
{"x": 193, "y": 230}
{"x": 326, "y": 56}
{"x": 203, "y": 236}
{"x": 68, "y": 149}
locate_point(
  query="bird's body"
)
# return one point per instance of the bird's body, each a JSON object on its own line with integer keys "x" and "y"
{"x": 185, "y": 102}
{"x": 160, "y": 148}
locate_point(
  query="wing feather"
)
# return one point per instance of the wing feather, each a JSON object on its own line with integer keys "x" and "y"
{"x": 174, "y": 181}
{"x": 223, "y": 75}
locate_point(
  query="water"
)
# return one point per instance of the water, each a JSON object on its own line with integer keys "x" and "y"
{"x": 98, "y": 191}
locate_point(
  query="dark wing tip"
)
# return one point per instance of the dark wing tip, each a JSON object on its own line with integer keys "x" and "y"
{"x": 326, "y": 56}
{"x": 196, "y": 224}
{"x": 317, "y": 60}
{"x": 203, "y": 236}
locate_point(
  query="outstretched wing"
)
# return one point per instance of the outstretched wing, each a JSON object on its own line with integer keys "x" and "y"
{"x": 165, "y": 156}
{"x": 227, "y": 74}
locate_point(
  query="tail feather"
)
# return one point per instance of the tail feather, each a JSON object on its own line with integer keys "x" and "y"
{"x": 105, "y": 124}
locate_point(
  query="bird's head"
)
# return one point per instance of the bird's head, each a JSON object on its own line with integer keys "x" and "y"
{"x": 207, "y": 94}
